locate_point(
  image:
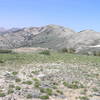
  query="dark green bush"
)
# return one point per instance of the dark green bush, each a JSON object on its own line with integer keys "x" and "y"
{"x": 68, "y": 50}
{"x": 64, "y": 50}
{"x": 28, "y": 82}
{"x": 49, "y": 91}
{"x": 2, "y": 95}
{"x": 65, "y": 84}
{"x": 96, "y": 53}
{"x": 54, "y": 87}
{"x": 10, "y": 91}
{"x": 45, "y": 52}
{"x": 18, "y": 88}
{"x": 59, "y": 91}
{"x": 46, "y": 90}
{"x": 37, "y": 84}
{"x": 1, "y": 61}
{"x": 14, "y": 73}
{"x": 73, "y": 85}
{"x": 18, "y": 80}
{"x": 5, "y": 51}
{"x": 71, "y": 50}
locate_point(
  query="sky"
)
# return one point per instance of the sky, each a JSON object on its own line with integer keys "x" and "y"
{"x": 75, "y": 14}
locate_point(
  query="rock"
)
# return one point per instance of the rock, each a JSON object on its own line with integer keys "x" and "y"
{"x": 96, "y": 94}
{"x": 94, "y": 98}
{"x": 41, "y": 75}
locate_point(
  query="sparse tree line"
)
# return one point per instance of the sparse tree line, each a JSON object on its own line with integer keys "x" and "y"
{"x": 5, "y": 51}
{"x": 63, "y": 50}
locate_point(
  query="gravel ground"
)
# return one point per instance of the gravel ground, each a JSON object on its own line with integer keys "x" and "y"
{"x": 53, "y": 81}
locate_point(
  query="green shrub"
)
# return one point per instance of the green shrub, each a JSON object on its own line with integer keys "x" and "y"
{"x": 34, "y": 72}
{"x": 10, "y": 91}
{"x": 14, "y": 73}
{"x": 1, "y": 61}
{"x": 96, "y": 53}
{"x": 95, "y": 89}
{"x": 68, "y": 50}
{"x": 49, "y": 91}
{"x": 28, "y": 82}
{"x": 83, "y": 98}
{"x": 46, "y": 90}
{"x": 54, "y": 87}
{"x": 65, "y": 84}
{"x": 71, "y": 50}
{"x": 59, "y": 91}
{"x": 18, "y": 88}
{"x": 29, "y": 96}
{"x": 35, "y": 79}
{"x": 37, "y": 84}
{"x": 64, "y": 50}
{"x": 5, "y": 51}
{"x": 2, "y": 95}
{"x": 42, "y": 90}
{"x": 18, "y": 80}
{"x": 44, "y": 97}
{"x": 55, "y": 83}
{"x": 45, "y": 52}
{"x": 75, "y": 85}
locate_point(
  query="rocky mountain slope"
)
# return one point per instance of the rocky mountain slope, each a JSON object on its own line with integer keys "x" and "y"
{"x": 50, "y": 36}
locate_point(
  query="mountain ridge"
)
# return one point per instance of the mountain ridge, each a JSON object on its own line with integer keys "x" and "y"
{"x": 50, "y": 36}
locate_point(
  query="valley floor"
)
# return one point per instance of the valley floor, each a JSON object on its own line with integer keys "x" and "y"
{"x": 54, "y": 76}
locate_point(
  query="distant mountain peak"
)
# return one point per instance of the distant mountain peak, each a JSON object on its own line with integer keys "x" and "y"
{"x": 2, "y": 29}
{"x": 49, "y": 36}
{"x": 88, "y": 30}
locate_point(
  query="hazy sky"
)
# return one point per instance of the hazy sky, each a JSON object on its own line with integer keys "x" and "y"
{"x": 75, "y": 14}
